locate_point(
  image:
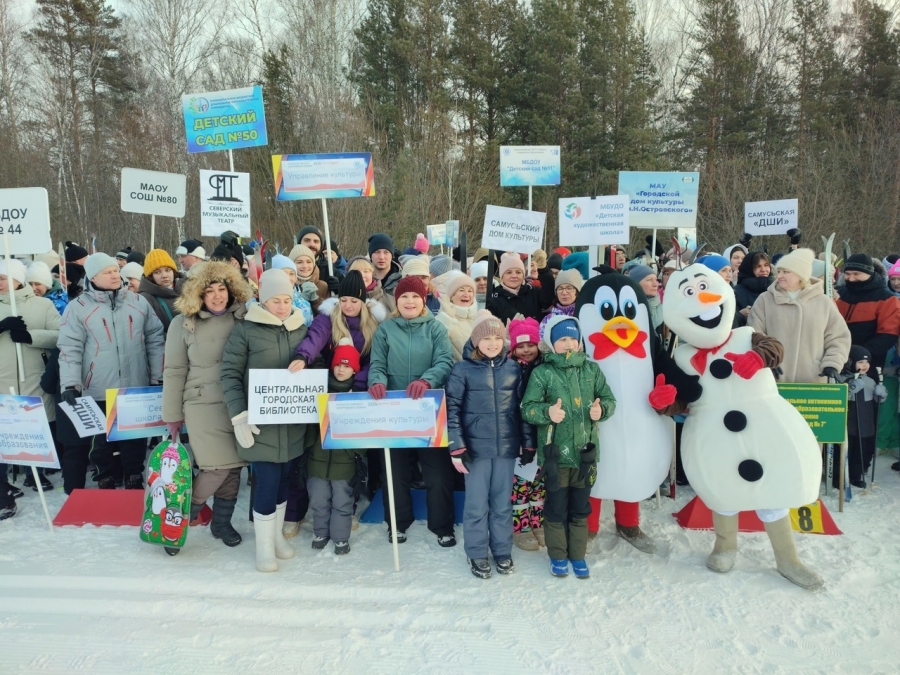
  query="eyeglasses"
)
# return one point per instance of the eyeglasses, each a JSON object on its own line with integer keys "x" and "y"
{"x": 565, "y": 288}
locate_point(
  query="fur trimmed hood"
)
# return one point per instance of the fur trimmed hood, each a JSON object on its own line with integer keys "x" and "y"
{"x": 376, "y": 309}
{"x": 191, "y": 300}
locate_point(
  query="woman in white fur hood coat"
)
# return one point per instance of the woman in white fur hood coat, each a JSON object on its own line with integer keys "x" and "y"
{"x": 458, "y": 311}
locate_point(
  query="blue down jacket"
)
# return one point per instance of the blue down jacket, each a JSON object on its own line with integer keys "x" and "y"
{"x": 483, "y": 397}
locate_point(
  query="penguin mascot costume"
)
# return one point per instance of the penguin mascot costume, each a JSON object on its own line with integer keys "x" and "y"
{"x": 744, "y": 447}
{"x": 636, "y": 443}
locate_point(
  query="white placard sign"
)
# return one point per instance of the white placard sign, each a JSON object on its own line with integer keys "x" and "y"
{"x": 773, "y": 217}
{"x": 224, "y": 203}
{"x": 87, "y": 417}
{"x": 529, "y": 165}
{"x": 513, "y": 229}
{"x": 278, "y": 396}
{"x": 598, "y": 221}
{"x": 25, "y": 218}
{"x": 25, "y": 436}
{"x": 153, "y": 192}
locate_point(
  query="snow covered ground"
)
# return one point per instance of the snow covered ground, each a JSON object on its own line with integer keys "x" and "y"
{"x": 98, "y": 600}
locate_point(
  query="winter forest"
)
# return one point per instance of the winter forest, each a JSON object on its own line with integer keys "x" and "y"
{"x": 768, "y": 99}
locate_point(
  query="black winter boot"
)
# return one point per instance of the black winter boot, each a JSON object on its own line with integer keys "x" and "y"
{"x": 135, "y": 482}
{"x": 220, "y": 525}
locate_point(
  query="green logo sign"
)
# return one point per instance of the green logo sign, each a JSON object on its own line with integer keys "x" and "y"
{"x": 823, "y": 406}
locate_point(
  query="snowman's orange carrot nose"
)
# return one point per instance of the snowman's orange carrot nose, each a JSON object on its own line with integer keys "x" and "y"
{"x": 708, "y": 298}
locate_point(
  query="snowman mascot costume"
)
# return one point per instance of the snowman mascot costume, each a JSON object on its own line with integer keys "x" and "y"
{"x": 636, "y": 443}
{"x": 744, "y": 447}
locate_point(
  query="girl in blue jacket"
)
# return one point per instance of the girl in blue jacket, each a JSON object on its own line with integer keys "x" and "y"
{"x": 487, "y": 435}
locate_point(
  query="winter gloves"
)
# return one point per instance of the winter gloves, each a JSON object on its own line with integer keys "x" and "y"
{"x": 12, "y": 323}
{"x": 662, "y": 395}
{"x": 244, "y": 431}
{"x": 461, "y": 458}
{"x": 829, "y": 372}
{"x": 528, "y": 455}
{"x": 378, "y": 391}
{"x": 881, "y": 393}
{"x": 550, "y": 469}
{"x": 70, "y": 395}
{"x": 417, "y": 389}
{"x": 746, "y": 365}
{"x": 309, "y": 291}
{"x": 587, "y": 468}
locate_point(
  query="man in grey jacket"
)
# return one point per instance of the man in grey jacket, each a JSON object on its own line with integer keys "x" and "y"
{"x": 110, "y": 338}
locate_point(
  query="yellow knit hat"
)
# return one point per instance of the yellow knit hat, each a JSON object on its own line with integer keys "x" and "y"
{"x": 158, "y": 258}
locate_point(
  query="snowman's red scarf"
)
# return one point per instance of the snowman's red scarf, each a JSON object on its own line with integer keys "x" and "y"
{"x": 698, "y": 360}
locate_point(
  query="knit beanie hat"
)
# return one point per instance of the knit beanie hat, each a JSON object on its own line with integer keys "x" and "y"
{"x": 379, "y": 241}
{"x": 132, "y": 271}
{"x": 311, "y": 229}
{"x": 799, "y": 262}
{"x": 135, "y": 256}
{"x": 74, "y": 252}
{"x": 282, "y": 262}
{"x": 554, "y": 261}
{"x": 571, "y": 277}
{"x": 522, "y": 331}
{"x": 421, "y": 244}
{"x": 440, "y": 264}
{"x": 16, "y": 270}
{"x": 895, "y": 270}
{"x": 125, "y": 250}
{"x": 345, "y": 354}
{"x": 857, "y": 353}
{"x": 510, "y": 261}
{"x": 51, "y": 258}
{"x": 456, "y": 281}
{"x": 96, "y": 263}
{"x": 713, "y": 262}
{"x": 190, "y": 247}
{"x": 639, "y": 272}
{"x": 352, "y": 286}
{"x": 158, "y": 258}
{"x": 860, "y": 262}
{"x": 565, "y": 328}
{"x": 818, "y": 269}
{"x": 301, "y": 251}
{"x": 562, "y": 250}
{"x": 411, "y": 284}
{"x": 39, "y": 273}
{"x": 417, "y": 266}
{"x": 478, "y": 270}
{"x": 486, "y": 324}
{"x": 539, "y": 258}
{"x": 274, "y": 282}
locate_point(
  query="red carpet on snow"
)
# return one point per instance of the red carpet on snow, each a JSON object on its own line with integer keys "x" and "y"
{"x": 102, "y": 507}
{"x": 697, "y": 516}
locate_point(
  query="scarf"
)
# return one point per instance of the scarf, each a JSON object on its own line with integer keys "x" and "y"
{"x": 698, "y": 360}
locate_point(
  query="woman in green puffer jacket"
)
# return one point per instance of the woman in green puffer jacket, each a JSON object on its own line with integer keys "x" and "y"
{"x": 412, "y": 352}
{"x": 267, "y": 338}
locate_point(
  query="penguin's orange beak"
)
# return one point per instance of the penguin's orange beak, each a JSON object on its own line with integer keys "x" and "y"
{"x": 621, "y": 331}
{"x": 708, "y": 298}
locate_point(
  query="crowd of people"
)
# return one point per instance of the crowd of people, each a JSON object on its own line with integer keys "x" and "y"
{"x": 500, "y": 337}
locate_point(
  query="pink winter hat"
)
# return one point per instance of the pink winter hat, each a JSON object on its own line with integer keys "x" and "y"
{"x": 421, "y": 244}
{"x": 522, "y": 331}
{"x": 895, "y": 270}
{"x": 510, "y": 261}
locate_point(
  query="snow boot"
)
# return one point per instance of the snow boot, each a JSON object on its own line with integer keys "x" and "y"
{"x": 290, "y": 529}
{"x": 14, "y": 492}
{"x": 8, "y": 511}
{"x": 723, "y": 554}
{"x": 318, "y": 543}
{"x": 538, "y": 533}
{"x": 505, "y": 565}
{"x": 580, "y": 568}
{"x": 559, "y": 567}
{"x": 220, "y": 525}
{"x": 788, "y": 564}
{"x": 135, "y": 482}
{"x": 446, "y": 540}
{"x": 264, "y": 528}
{"x": 481, "y": 568}
{"x": 526, "y": 541}
{"x": 635, "y": 537}
{"x": 401, "y": 537}
{"x": 283, "y": 549}
{"x": 45, "y": 482}
{"x": 341, "y": 547}
{"x": 107, "y": 483}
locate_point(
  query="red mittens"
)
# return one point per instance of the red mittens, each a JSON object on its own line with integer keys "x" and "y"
{"x": 746, "y": 365}
{"x": 663, "y": 395}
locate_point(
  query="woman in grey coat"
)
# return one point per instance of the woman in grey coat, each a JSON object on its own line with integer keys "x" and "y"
{"x": 212, "y": 303}
{"x": 267, "y": 339}
{"x": 109, "y": 338}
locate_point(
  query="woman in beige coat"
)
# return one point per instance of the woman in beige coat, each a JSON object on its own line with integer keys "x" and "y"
{"x": 458, "y": 311}
{"x": 795, "y": 311}
{"x": 213, "y": 300}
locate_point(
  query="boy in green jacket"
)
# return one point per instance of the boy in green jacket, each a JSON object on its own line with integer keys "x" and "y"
{"x": 567, "y": 392}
